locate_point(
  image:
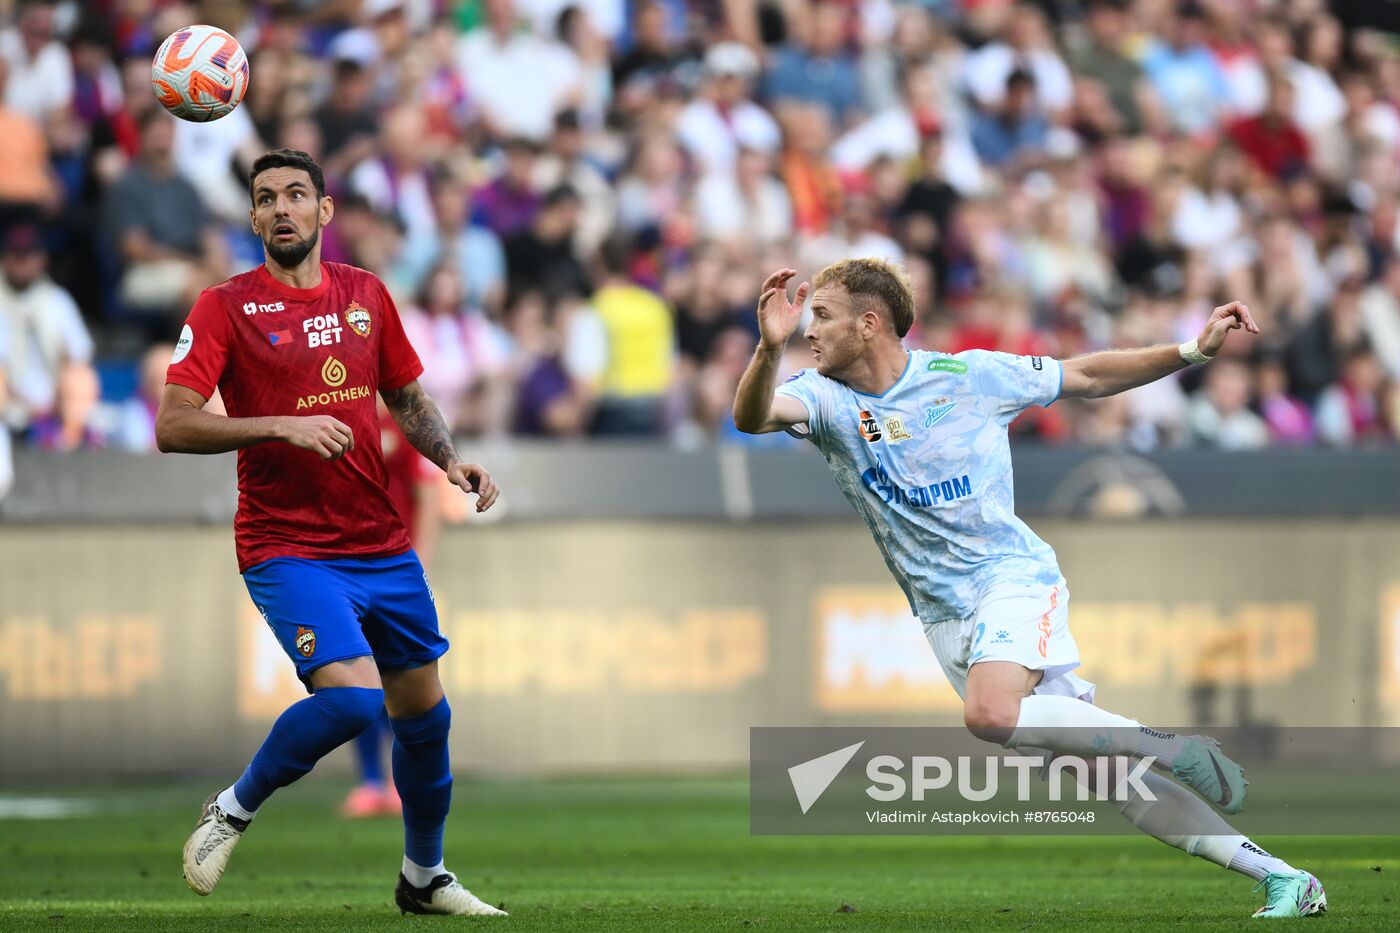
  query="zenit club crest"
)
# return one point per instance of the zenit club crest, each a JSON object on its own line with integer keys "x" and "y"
{"x": 306, "y": 642}
{"x": 869, "y": 427}
{"x": 357, "y": 316}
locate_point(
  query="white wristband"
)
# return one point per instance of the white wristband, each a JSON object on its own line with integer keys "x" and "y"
{"x": 1192, "y": 353}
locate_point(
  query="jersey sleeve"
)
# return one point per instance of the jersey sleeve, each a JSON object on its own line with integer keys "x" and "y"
{"x": 1014, "y": 383}
{"x": 201, "y": 354}
{"x": 398, "y": 362}
{"x": 805, "y": 386}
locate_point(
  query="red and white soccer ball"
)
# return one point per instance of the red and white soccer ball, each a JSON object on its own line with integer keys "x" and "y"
{"x": 200, "y": 73}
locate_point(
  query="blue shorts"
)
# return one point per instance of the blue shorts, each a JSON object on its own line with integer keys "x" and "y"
{"x": 324, "y": 611}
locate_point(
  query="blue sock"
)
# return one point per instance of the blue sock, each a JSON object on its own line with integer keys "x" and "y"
{"x": 423, "y": 775}
{"x": 368, "y": 747}
{"x": 304, "y": 734}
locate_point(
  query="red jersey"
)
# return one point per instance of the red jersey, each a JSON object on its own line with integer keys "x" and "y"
{"x": 276, "y": 350}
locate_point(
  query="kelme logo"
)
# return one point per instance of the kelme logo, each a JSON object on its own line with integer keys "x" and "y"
{"x": 946, "y": 365}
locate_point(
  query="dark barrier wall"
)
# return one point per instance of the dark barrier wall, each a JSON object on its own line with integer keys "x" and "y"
{"x": 625, "y": 481}
{"x": 643, "y": 646}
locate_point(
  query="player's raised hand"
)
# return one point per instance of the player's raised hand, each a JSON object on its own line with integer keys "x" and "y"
{"x": 320, "y": 434}
{"x": 1224, "y": 319}
{"x": 778, "y": 317}
{"x": 472, "y": 477}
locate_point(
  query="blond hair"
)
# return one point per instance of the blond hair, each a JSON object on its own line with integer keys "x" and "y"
{"x": 875, "y": 278}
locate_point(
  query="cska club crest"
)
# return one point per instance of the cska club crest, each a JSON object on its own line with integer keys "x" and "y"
{"x": 306, "y": 642}
{"x": 357, "y": 316}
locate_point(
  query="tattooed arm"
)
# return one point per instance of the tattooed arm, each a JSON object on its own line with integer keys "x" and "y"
{"x": 421, "y": 422}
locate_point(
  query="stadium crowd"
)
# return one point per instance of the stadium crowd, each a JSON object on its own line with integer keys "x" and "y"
{"x": 573, "y": 201}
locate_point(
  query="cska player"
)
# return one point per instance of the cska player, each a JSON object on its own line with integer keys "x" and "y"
{"x": 299, "y": 349}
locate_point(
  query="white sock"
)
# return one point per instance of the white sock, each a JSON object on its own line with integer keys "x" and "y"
{"x": 1164, "y": 746}
{"x": 421, "y": 877}
{"x": 1181, "y": 819}
{"x": 228, "y": 802}
{"x": 1253, "y": 861}
{"x": 1069, "y": 726}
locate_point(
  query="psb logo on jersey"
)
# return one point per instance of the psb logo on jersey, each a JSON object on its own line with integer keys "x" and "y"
{"x": 1036, "y": 364}
{"x": 869, "y": 427}
{"x": 333, "y": 372}
{"x": 253, "y": 307}
{"x": 357, "y": 316}
{"x": 938, "y": 411}
{"x": 894, "y": 427}
{"x": 305, "y": 642}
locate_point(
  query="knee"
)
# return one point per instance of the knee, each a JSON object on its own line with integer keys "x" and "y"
{"x": 432, "y": 726}
{"x": 356, "y": 707}
{"x": 992, "y": 718}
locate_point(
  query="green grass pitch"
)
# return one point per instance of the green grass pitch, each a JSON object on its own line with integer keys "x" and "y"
{"x": 652, "y": 854}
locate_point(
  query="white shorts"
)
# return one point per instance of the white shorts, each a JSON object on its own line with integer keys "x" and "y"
{"x": 1026, "y": 625}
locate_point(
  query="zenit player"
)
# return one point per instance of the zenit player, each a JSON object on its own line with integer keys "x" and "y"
{"x": 918, "y": 443}
{"x": 299, "y": 349}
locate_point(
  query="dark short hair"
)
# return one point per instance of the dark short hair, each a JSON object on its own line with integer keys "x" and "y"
{"x": 287, "y": 158}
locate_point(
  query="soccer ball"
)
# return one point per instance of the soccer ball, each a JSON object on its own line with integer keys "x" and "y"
{"x": 200, "y": 73}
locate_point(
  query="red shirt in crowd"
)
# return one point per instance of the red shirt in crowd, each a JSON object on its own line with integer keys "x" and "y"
{"x": 1277, "y": 148}
{"x": 272, "y": 350}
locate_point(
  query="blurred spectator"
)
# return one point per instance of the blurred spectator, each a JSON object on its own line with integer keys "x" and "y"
{"x": 542, "y": 257}
{"x": 1186, "y": 76}
{"x": 41, "y": 69}
{"x": 134, "y": 421}
{"x": 160, "y": 228}
{"x": 1219, "y": 415}
{"x": 1026, "y": 48}
{"x": 640, "y": 340}
{"x": 27, "y": 185}
{"x": 41, "y": 330}
{"x": 722, "y": 119}
{"x": 549, "y": 400}
{"x": 652, "y": 189}
{"x": 1318, "y": 349}
{"x": 396, "y": 181}
{"x": 1006, "y": 136}
{"x": 507, "y": 205}
{"x": 462, "y": 352}
{"x": 749, "y": 206}
{"x": 477, "y": 252}
{"x": 68, "y": 426}
{"x": 347, "y": 121}
{"x": 1271, "y": 141}
{"x": 517, "y": 79}
{"x": 565, "y": 162}
{"x": 1380, "y": 317}
{"x": 806, "y": 169}
{"x": 1102, "y": 59}
{"x": 1349, "y": 412}
{"x": 654, "y": 63}
{"x": 1289, "y": 420}
{"x": 816, "y": 66}
{"x": 857, "y": 234}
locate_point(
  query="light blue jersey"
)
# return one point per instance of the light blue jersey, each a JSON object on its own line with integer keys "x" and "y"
{"x": 928, "y": 466}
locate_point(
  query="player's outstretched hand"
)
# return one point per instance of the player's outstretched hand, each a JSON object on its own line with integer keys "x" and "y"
{"x": 320, "y": 434}
{"x": 778, "y": 317}
{"x": 1224, "y": 319}
{"x": 472, "y": 477}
